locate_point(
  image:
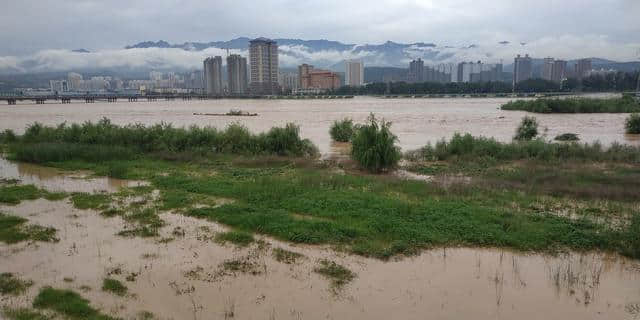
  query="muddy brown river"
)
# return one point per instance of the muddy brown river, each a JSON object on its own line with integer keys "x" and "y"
{"x": 180, "y": 279}
{"x": 415, "y": 121}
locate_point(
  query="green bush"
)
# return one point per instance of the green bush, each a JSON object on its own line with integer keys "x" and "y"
{"x": 342, "y": 130}
{"x": 575, "y": 105}
{"x": 567, "y": 137}
{"x": 632, "y": 125}
{"x": 374, "y": 146}
{"x": 468, "y": 147}
{"x": 103, "y": 141}
{"x": 528, "y": 129}
{"x": 8, "y": 136}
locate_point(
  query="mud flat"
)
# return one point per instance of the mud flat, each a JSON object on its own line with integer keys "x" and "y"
{"x": 184, "y": 273}
{"x": 183, "y": 277}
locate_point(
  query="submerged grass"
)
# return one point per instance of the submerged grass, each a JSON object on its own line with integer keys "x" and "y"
{"x": 338, "y": 274}
{"x": 114, "y": 286}
{"x": 14, "y": 194}
{"x": 286, "y": 256}
{"x": 575, "y": 105}
{"x": 14, "y": 230}
{"x": 24, "y": 314}
{"x": 11, "y": 285}
{"x": 238, "y": 238}
{"x": 68, "y": 303}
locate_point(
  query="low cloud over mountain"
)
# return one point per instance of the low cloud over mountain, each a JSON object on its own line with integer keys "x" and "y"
{"x": 322, "y": 53}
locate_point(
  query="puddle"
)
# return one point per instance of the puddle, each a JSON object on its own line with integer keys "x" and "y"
{"x": 58, "y": 180}
{"x": 174, "y": 277}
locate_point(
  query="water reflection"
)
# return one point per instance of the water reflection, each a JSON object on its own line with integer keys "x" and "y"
{"x": 57, "y": 180}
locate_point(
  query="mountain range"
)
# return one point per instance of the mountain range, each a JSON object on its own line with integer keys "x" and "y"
{"x": 387, "y": 54}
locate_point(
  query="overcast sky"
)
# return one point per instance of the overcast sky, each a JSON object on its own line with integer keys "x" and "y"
{"x": 31, "y": 25}
{"x": 566, "y": 29}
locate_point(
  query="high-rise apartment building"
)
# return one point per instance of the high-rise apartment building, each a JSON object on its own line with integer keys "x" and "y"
{"x": 237, "y": 74}
{"x": 416, "y": 71}
{"x": 583, "y": 66}
{"x": 547, "y": 68}
{"x": 522, "y": 68}
{"x": 263, "y": 55}
{"x": 213, "y": 76}
{"x": 354, "y": 73}
{"x": 559, "y": 71}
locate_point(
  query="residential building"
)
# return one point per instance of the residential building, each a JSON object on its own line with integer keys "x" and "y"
{"x": 311, "y": 78}
{"x": 582, "y": 68}
{"x": 289, "y": 82}
{"x": 354, "y": 73}
{"x": 416, "y": 71}
{"x": 237, "y": 74}
{"x": 547, "y": 68}
{"x": 213, "y": 76}
{"x": 58, "y": 86}
{"x": 304, "y": 77}
{"x": 263, "y": 55}
{"x": 559, "y": 71}
{"x": 522, "y": 68}
{"x": 74, "y": 81}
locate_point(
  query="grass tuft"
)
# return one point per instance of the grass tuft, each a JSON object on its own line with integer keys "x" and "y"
{"x": 342, "y": 130}
{"x": 239, "y": 238}
{"x": 338, "y": 274}
{"x": 13, "y": 230}
{"x": 67, "y": 303}
{"x": 10, "y": 285}
{"x": 114, "y": 286}
{"x": 24, "y": 314}
{"x": 286, "y": 256}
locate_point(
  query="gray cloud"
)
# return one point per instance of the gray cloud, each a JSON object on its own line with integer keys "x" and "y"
{"x": 39, "y": 34}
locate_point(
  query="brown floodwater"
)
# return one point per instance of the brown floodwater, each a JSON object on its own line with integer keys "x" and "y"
{"x": 181, "y": 279}
{"x": 415, "y": 121}
{"x": 53, "y": 179}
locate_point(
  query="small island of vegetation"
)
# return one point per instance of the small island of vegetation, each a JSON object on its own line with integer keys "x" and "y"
{"x": 624, "y": 104}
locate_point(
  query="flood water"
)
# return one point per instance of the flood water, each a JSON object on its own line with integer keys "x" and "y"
{"x": 56, "y": 180}
{"x": 181, "y": 280}
{"x": 415, "y": 121}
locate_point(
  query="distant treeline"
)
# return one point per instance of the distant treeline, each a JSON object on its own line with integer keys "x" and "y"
{"x": 620, "y": 81}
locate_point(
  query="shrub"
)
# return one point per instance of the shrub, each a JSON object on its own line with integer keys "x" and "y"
{"x": 374, "y": 146}
{"x": 567, "y": 137}
{"x": 8, "y": 136}
{"x": 468, "y": 147}
{"x": 103, "y": 141}
{"x": 632, "y": 125}
{"x": 528, "y": 129}
{"x": 342, "y": 130}
{"x": 575, "y": 105}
